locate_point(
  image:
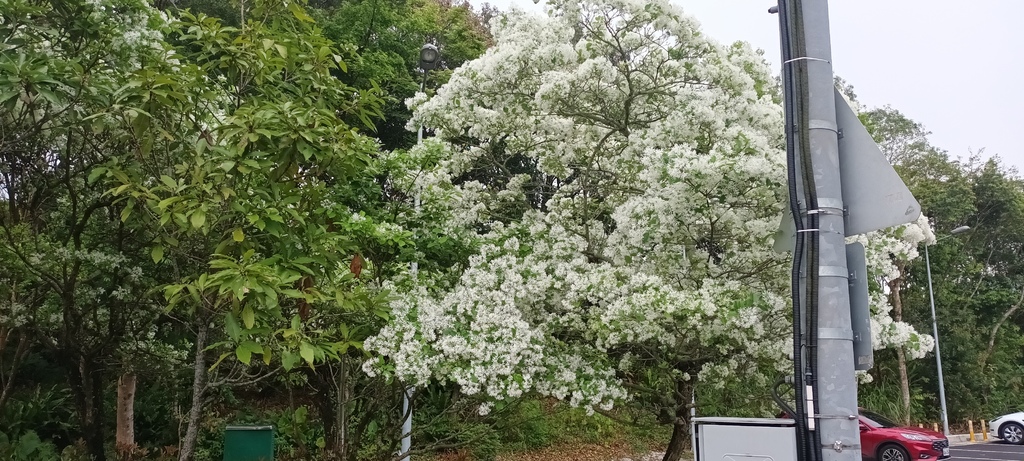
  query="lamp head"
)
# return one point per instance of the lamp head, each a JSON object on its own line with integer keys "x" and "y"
{"x": 429, "y": 57}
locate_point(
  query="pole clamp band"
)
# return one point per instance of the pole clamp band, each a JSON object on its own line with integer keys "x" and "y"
{"x": 833, "y": 271}
{"x": 831, "y": 203}
{"x": 840, "y": 334}
{"x": 806, "y": 58}
{"x": 823, "y": 125}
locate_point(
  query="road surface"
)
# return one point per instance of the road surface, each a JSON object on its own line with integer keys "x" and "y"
{"x": 987, "y": 451}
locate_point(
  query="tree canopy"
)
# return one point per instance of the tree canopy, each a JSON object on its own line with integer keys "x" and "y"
{"x": 224, "y": 205}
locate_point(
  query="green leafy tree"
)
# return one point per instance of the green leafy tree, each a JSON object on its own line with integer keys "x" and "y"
{"x": 976, "y": 278}
{"x": 72, "y": 277}
{"x": 386, "y": 36}
{"x": 255, "y": 182}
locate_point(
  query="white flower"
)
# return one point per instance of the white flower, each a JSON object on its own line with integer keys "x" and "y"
{"x": 622, "y": 176}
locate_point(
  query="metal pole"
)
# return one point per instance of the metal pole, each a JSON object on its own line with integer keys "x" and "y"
{"x": 407, "y": 424}
{"x": 693, "y": 416}
{"x": 413, "y": 269}
{"x": 419, "y": 139}
{"x": 938, "y": 355}
{"x": 835, "y": 413}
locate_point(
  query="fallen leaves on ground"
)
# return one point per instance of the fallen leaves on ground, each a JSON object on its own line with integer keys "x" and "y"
{"x": 570, "y": 452}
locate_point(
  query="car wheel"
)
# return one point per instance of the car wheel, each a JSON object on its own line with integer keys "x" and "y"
{"x": 1012, "y": 432}
{"x": 893, "y": 452}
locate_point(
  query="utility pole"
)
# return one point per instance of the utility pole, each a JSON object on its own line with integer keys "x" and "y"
{"x": 429, "y": 57}
{"x": 832, "y": 406}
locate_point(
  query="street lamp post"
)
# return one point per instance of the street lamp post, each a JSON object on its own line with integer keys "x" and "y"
{"x": 935, "y": 329}
{"x": 429, "y": 58}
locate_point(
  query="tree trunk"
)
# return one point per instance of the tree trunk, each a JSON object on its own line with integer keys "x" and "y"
{"x": 7, "y": 377}
{"x": 677, "y": 444}
{"x": 341, "y": 410}
{"x": 896, "y": 300}
{"x": 125, "y": 436}
{"x": 8, "y": 373}
{"x": 324, "y": 402}
{"x": 681, "y": 425}
{"x": 995, "y": 330}
{"x": 86, "y": 380}
{"x": 901, "y": 360}
{"x": 188, "y": 444}
{"x": 333, "y": 390}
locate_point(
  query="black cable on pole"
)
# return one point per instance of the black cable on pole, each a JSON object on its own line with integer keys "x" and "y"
{"x": 789, "y": 95}
{"x": 810, "y": 194}
{"x": 778, "y": 398}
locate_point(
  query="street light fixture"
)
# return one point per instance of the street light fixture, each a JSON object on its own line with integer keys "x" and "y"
{"x": 429, "y": 59}
{"x": 935, "y": 328}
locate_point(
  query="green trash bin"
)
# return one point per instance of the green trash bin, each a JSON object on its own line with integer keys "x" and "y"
{"x": 249, "y": 443}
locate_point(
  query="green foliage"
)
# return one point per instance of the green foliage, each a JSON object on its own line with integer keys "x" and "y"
{"x": 255, "y": 194}
{"x": 157, "y": 174}
{"x": 527, "y": 424}
{"x": 73, "y": 271}
{"x": 527, "y": 427}
{"x": 295, "y": 430}
{"x": 386, "y": 37}
{"x": 28, "y": 447}
{"x": 977, "y": 276}
{"x": 42, "y": 412}
{"x": 882, "y": 395}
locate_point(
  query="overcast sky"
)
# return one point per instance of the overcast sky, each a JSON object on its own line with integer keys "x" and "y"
{"x": 955, "y": 66}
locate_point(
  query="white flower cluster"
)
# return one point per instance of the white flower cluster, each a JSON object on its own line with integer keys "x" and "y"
{"x": 13, "y": 315}
{"x": 652, "y": 169}
{"x": 885, "y": 250}
{"x": 139, "y": 25}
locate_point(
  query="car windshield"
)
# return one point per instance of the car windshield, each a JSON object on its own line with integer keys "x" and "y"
{"x": 876, "y": 420}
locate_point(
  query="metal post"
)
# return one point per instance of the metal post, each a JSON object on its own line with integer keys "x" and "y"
{"x": 835, "y": 411}
{"x": 693, "y": 416}
{"x": 423, "y": 89}
{"x": 413, "y": 269}
{"x": 407, "y": 424}
{"x": 938, "y": 355}
{"x": 429, "y": 56}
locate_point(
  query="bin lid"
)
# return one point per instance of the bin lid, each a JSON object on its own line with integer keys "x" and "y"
{"x": 250, "y": 428}
{"x": 744, "y": 421}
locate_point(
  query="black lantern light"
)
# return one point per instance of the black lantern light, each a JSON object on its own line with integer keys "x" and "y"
{"x": 429, "y": 57}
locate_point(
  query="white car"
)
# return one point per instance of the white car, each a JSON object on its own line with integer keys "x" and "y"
{"x": 1008, "y": 427}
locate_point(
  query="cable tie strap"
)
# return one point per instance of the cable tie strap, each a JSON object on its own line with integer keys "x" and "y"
{"x": 806, "y": 58}
{"x": 831, "y": 211}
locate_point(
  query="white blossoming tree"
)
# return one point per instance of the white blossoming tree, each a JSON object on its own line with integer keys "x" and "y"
{"x": 624, "y": 174}
{"x": 888, "y": 253}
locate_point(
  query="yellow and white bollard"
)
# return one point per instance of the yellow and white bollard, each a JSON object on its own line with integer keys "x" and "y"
{"x": 970, "y": 429}
{"x": 920, "y": 425}
{"x": 935, "y": 427}
{"x": 984, "y": 430}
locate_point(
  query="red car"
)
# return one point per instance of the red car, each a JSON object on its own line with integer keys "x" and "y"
{"x": 884, "y": 440}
